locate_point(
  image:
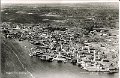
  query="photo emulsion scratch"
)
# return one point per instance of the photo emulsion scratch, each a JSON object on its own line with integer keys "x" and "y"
{"x": 59, "y": 39}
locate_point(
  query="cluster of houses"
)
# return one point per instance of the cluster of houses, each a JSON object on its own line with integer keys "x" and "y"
{"x": 65, "y": 45}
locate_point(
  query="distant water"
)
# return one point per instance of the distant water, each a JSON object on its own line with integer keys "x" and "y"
{"x": 42, "y": 69}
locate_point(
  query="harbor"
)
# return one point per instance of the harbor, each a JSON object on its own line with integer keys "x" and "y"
{"x": 45, "y": 69}
{"x": 80, "y": 60}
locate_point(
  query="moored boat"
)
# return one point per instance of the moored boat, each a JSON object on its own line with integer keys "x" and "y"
{"x": 59, "y": 60}
{"x": 113, "y": 70}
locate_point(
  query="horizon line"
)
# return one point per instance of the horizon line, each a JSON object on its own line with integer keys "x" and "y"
{"x": 51, "y": 2}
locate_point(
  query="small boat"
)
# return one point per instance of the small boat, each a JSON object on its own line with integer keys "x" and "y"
{"x": 96, "y": 68}
{"x": 92, "y": 68}
{"x": 74, "y": 61}
{"x": 82, "y": 64}
{"x": 60, "y": 60}
{"x": 46, "y": 58}
{"x": 43, "y": 57}
{"x": 113, "y": 70}
{"x": 49, "y": 59}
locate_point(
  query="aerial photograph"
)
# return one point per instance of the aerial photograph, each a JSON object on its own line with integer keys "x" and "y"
{"x": 59, "y": 40}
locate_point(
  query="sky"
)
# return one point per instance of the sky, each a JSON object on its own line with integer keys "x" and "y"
{"x": 51, "y": 1}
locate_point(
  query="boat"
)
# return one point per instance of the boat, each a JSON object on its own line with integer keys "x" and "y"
{"x": 60, "y": 60}
{"x": 46, "y": 58}
{"x": 43, "y": 57}
{"x": 113, "y": 70}
{"x": 94, "y": 67}
{"x": 49, "y": 59}
{"x": 82, "y": 64}
{"x": 74, "y": 61}
{"x": 97, "y": 69}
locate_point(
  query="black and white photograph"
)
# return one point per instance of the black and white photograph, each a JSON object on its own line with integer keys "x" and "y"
{"x": 59, "y": 39}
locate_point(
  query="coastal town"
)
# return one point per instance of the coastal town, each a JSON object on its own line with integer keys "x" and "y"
{"x": 64, "y": 45}
{"x": 84, "y": 37}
